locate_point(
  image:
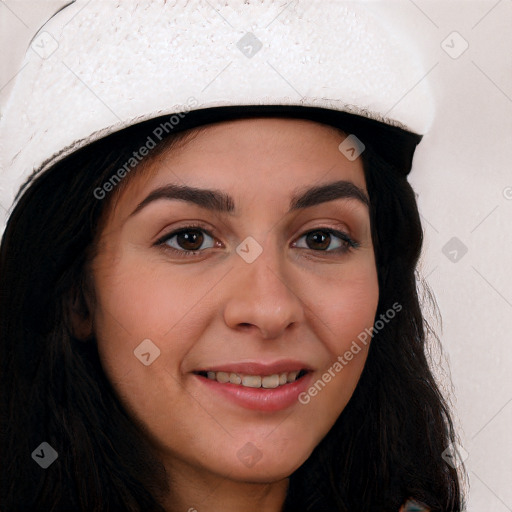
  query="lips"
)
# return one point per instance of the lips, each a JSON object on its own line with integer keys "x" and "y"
{"x": 260, "y": 386}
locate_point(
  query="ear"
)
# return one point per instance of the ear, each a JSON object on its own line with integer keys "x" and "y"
{"x": 81, "y": 312}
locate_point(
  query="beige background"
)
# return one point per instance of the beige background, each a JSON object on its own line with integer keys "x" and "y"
{"x": 463, "y": 177}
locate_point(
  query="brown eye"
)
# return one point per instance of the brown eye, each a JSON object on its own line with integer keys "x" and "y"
{"x": 319, "y": 239}
{"x": 188, "y": 240}
{"x": 322, "y": 239}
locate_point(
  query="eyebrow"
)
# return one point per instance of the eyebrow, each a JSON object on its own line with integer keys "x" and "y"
{"x": 218, "y": 201}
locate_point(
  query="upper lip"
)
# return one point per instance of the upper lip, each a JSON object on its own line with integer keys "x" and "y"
{"x": 257, "y": 368}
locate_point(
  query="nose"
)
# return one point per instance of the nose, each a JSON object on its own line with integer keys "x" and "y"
{"x": 262, "y": 298}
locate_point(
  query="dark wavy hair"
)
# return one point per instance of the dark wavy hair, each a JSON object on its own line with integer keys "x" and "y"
{"x": 384, "y": 448}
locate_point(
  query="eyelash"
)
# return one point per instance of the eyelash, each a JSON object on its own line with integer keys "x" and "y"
{"x": 349, "y": 243}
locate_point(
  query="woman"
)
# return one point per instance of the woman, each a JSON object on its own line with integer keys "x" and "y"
{"x": 218, "y": 305}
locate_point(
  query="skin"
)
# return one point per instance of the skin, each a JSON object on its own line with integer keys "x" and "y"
{"x": 297, "y": 302}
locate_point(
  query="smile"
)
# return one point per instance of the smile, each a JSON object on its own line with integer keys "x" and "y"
{"x": 254, "y": 381}
{"x": 269, "y": 388}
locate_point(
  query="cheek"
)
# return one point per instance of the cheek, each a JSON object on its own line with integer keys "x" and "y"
{"x": 140, "y": 300}
{"x": 144, "y": 298}
{"x": 133, "y": 305}
{"x": 346, "y": 305}
{"x": 345, "y": 313}
{"x": 353, "y": 310}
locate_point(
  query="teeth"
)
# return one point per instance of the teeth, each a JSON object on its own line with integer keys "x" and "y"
{"x": 254, "y": 381}
{"x": 270, "y": 381}
{"x": 223, "y": 377}
{"x": 250, "y": 381}
{"x": 292, "y": 376}
{"x": 235, "y": 379}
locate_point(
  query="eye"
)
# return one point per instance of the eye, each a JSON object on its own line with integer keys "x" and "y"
{"x": 322, "y": 238}
{"x": 187, "y": 241}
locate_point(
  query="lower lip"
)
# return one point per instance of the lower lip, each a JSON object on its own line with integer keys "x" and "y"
{"x": 260, "y": 399}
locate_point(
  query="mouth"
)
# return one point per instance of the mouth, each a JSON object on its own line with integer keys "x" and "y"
{"x": 265, "y": 386}
{"x": 271, "y": 381}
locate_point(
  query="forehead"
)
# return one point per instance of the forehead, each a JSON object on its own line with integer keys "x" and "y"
{"x": 278, "y": 132}
{"x": 250, "y": 158}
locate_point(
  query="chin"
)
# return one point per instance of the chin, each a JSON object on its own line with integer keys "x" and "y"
{"x": 268, "y": 469}
{"x": 264, "y": 475}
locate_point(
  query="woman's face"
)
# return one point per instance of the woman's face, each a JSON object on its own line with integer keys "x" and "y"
{"x": 270, "y": 280}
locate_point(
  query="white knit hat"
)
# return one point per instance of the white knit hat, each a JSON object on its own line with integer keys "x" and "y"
{"x": 101, "y": 65}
